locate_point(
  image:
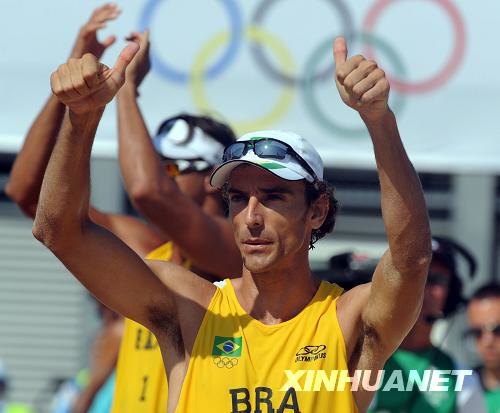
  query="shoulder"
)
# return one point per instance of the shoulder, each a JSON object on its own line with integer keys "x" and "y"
{"x": 183, "y": 283}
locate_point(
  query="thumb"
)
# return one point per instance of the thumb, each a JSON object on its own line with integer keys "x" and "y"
{"x": 125, "y": 58}
{"x": 339, "y": 50}
{"x": 108, "y": 41}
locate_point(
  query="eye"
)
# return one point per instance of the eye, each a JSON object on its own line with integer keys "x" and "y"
{"x": 275, "y": 197}
{"x": 234, "y": 198}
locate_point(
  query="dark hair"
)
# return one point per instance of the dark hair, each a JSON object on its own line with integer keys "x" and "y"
{"x": 445, "y": 251}
{"x": 313, "y": 192}
{"x": 491, "y": 290}
{"x": 219, "y": 131}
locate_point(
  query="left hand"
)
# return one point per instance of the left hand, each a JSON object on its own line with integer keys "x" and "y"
{"x": 141, "y": 64}
{"x": 362, "y": 85}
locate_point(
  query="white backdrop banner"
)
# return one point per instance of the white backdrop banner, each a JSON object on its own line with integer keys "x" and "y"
{"x": 268, "y": 64}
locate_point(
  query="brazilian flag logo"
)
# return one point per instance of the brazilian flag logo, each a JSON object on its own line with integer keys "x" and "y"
{"x": 227, "y": 346}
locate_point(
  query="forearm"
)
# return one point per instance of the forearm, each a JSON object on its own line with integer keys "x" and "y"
{"x": 65, "y": 192}
{"x": 140, "y": 165}
{"x": 404, "y": 209}
{"x": 27, "y": 172}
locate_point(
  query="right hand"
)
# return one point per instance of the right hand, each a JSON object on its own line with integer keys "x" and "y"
{"x": 87, "y": 41}
{"x": 141, "y": 64}
{"x": 86, "y": 85}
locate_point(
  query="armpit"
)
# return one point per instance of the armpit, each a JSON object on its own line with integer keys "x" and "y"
{"x": 166, "y": 322}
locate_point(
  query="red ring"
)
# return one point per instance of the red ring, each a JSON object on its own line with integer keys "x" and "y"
{"x": 442, "y": 76}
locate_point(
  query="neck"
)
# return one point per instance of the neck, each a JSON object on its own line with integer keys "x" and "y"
{"x": 491, "y": 377}
{"x": 419, "y": 337}
{"x": 278, "y": 295}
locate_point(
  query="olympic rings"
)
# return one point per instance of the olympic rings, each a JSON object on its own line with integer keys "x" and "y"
{"x": 219, "y": 66}
{"x": 228, "y": 362}
{"x": 260, "y": 57}
{"x": 259, "y": 39}
{"x": 456, "y": 57}
{"x": 258, "y": 35}
{"x": 312, "y": 104}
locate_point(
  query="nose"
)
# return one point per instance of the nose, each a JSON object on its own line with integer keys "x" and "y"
{"x": 253, "y": 213}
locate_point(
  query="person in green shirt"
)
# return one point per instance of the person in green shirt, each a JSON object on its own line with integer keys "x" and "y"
{"x": 442, "y": 297}
{"x": 484, "y": 319}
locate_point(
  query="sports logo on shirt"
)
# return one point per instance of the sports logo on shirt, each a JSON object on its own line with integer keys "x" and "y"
{"x": 311, "y": 353}
{"x": 226, "y": 350}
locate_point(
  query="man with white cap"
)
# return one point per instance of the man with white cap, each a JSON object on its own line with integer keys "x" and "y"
{"x": 167, "y": 180}
{"x": 272, "y": 339}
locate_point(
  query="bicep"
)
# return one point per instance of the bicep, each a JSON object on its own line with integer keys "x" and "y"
{"x": 116, "y": 275}
{"x": 394, "y": 302}
{"x": 139, "y": 236}
{"x": 207, "y": 240}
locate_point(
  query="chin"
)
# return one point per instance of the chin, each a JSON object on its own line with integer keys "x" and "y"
{"x": 258, "y": 264}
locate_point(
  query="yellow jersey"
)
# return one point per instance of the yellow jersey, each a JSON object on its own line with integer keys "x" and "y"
{"x": 141, "y": 381}
{"x": 239, "y": 364}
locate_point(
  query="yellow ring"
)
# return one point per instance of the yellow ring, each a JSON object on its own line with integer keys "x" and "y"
{"x": 257, "y": 35}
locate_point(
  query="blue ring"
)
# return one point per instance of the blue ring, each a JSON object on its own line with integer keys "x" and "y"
{"x": 168, "y": 72}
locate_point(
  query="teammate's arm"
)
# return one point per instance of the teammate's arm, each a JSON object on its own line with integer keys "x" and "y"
{"x": 27, "y": 172}
{"x": 139, "y": 236}
{"x": 104, "y": 264}
{"x": 156, "y": 195}
{"x": 396, "y": 292}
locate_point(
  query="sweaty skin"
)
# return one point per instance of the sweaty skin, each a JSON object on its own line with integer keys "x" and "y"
{"x": 271, "y": 224}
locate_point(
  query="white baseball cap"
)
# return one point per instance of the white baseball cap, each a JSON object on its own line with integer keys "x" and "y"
{"x": 289, "y": 168}
{"x": 180, "y": 140}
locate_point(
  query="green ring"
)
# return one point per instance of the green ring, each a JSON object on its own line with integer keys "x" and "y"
{"x": 312, "y": 105}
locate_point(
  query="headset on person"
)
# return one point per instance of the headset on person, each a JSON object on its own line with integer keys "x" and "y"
{"x": 351, "y": 269}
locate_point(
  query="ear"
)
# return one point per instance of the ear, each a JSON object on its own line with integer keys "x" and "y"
{"x": 319, "y": 211}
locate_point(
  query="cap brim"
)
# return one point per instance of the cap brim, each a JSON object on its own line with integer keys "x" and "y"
{"x": 221, "y": 175}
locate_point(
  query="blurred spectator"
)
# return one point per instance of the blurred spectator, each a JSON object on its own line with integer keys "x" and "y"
{"x": 7, "y": 407}
{"x": 484, "y": 319}
{"x": 92, "y": 389}
{"x": 442, "y": 298}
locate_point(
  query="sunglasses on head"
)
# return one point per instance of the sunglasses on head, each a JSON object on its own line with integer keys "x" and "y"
{"x": 477, "y": 332}
{"x": 177, "y": 167}
{"x": 266, "y": 148}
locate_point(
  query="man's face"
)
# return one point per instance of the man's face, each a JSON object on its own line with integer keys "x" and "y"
{"x": 270, "y": 217}
{"x": 484, "y": 313}
{"x": 191, "y": 184}
{"x": 436, "y": 290}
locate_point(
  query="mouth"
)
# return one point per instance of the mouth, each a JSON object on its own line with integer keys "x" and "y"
{"x": 256, "y": 244}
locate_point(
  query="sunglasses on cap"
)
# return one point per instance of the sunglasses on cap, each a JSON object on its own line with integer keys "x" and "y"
{"x": 266, "y": 148}
{"x": 477, "y": 332}
{"x": 177, "y": 167}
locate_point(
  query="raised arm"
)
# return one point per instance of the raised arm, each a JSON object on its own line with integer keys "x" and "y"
{"x": 106, "y": 266}
{"x": 27, "y": 172}
{"x": 156, "y": 195}
{"x": 394, "y": 298}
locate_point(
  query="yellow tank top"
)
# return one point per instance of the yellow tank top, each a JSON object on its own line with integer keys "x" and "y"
{"x": 239, "y": 364}
{"x": 141, "y": 381}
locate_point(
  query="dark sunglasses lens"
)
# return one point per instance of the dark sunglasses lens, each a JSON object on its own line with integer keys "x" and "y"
{"x": 437, "y": 279}
{"x": 234, "y": 151}
{"x": 270, "y": 149}
{"x": 496, "y": 330}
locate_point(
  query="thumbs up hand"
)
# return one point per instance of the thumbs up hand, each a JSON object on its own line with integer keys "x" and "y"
{"x": 362, "y": 85}
{"x": 85, "y": 85}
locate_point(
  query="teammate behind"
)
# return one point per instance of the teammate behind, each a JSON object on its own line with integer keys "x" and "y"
{"x": 237, "y": 348}
{"x": 190, "y": 147}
